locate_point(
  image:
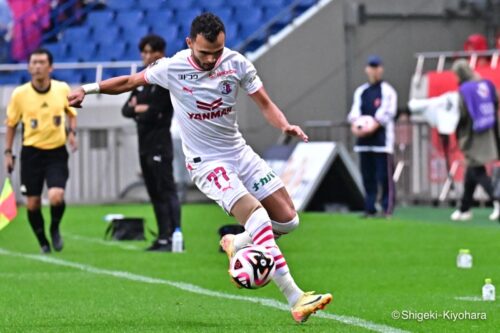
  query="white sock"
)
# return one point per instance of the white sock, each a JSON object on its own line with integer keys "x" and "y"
{"x": 241, "y": 240}
{"x": 259, "y": 228}
{"x": 288, "y": 287}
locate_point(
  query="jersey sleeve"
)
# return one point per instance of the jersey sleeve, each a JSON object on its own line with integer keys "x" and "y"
{"x": 157, "y": 73}
{"x": 389, "y": 105}
{"x": 356, "y": 106}
{"x": 13, "y": 111}
{"x": 250, "y": 81}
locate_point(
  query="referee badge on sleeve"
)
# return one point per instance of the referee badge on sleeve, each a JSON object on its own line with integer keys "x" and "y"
{"x": 34, "y": 123}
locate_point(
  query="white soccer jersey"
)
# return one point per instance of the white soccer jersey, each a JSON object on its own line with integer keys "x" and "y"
{"x": 204, "y": 101}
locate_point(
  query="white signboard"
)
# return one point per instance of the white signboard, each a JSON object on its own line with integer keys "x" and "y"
{"x": 305, "y": 169}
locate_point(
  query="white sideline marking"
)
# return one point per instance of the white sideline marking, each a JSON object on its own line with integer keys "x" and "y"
{"x": 469, "y": 298}
{"x": 103, "y": 242}
{"x": 348, "y": 320}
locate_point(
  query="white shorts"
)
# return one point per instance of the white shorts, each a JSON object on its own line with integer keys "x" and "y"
{"x": 228, "y": 179}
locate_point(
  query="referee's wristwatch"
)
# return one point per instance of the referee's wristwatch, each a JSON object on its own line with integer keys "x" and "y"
{"x": 7, "y": 151}
{"x": 70, "y": 130}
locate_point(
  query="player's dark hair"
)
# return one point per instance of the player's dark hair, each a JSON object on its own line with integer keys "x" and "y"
{"x": 157, "y": 43}
{"x": 43, "y": 51}
{"x": 208, "y": 25}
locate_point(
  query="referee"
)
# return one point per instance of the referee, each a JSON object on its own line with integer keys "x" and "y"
{"x": 41, "y": 107}
{"x": 152, "y": 110}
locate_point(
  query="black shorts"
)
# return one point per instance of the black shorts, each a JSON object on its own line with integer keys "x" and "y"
{"x": 39, "y": 165}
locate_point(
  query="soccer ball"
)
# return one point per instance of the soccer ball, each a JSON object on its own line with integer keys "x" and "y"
{"x": 363, "y": 126}
{"x": 252, "y": 267}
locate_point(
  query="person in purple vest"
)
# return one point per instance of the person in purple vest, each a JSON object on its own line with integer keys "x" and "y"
{"x": 477, "y": 134}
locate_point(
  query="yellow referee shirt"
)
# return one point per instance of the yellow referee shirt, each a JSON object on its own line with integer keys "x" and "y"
{"x": 43, "y": 115}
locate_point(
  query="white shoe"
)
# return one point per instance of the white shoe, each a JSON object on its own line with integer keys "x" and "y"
{"x": 461, "y": 216}
{"x": 496, "y": 211}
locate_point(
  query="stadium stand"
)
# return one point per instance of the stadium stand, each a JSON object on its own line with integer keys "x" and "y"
{"x": 111, "y": 32}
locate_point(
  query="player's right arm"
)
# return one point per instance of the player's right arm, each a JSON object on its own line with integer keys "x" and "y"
{"x": 112, "y": 86}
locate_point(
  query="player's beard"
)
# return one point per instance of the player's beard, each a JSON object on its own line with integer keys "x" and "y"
{"x": 204, "y": 66}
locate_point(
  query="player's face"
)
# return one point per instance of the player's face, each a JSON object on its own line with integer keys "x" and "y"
{"x": 374, "y": 73}
{"x": 39, "y": 67}
{"x": 149, "y": 56}
{"x": 204, "y": 52}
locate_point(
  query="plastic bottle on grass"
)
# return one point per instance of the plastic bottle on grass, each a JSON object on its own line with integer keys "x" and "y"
{"x": 464, "y": 259}
{"x": 177, "y": 240}
{"x": 488, "y": 291}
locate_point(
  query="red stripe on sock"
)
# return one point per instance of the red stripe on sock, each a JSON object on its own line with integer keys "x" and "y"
{"x": 263, "y": 231}
{"x": 278, "y": 257}
{"x": 265, "y": 239}
{"x": 281, "y": 265}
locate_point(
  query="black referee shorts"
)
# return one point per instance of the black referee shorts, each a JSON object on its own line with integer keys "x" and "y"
{"x": 39, "y": 165}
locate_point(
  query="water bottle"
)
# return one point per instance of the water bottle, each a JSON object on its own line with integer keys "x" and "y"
{"x": 488, "y": 291}
{"x": 177, "y": 240}
{"x": 464, "y": 259}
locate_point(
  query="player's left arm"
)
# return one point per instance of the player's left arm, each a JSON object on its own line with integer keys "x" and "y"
{"x": 274, "y": 116}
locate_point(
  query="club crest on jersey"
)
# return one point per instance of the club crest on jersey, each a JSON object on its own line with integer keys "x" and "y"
{"x": 226, "y": 87}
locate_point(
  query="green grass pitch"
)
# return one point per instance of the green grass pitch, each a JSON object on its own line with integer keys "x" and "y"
{"x": 372, "y": 267}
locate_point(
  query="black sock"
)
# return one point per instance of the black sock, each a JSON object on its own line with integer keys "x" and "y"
{"x": 36, "y": 221}
{"x": 56, "y": 213}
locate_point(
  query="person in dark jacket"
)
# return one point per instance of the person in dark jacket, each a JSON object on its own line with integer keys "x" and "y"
{"x": 152, "y": 110}
{"x": 477, "y": 134}
{"x": 376, "y": 102}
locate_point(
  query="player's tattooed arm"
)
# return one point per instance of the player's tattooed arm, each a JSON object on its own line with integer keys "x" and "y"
{"x": 274, "y": 116}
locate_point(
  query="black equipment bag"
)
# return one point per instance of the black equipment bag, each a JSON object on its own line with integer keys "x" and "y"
{"x": 129, "y": 228}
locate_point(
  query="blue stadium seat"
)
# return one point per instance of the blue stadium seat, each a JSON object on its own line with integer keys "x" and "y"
{"x": 170, "y": 33}
{"x": 129, "y": 17}
{"x": 88, "y": 74}
{"x": 150, "y": 4}
{"x": 248, "y": 28}
{"x": 270, "y": 13}
{"x": 80, "y": 52}
{"x": 231, "y": 30}
{"x": 133, "y": 34}
{"x": 100, "y": 19}
{"x": 270, "y": 3}
{"x": 75, "y": 33}
{"x": 59, "y": 50}
{"x": 241, "y": 3}
{"x": 179, "y": 5}
{"x": 67, "y": 75}
{"x": 122, "y": 4}
{"x": 132, "y": 53}
{"x": 246, "y": 16}
{"x": 111, "y": 52}
{"x": 175, "y": 46}
{"x": 211, "y": 5}
{"x": 224, "y": 13}
{"x": 106, "y": 34}
{"x": 14, "y": 77}
{"x": 158, "y": 17}
{"x": 304, "y": 5}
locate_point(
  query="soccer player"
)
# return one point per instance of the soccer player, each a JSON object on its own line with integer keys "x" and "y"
{"x": 203, "y": 82}
{"x": 42, "y": 106}
{"x": 152, "y": 111}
